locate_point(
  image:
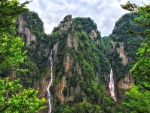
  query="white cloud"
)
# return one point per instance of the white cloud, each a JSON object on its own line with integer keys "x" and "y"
{"x": 49, "y": 27}
{"x": 104, "y": 12}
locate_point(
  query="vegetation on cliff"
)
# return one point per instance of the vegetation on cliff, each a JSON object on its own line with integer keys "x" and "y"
{"x": 138, "y": 97}
{"x": 122, "y": 43}
{"x": 83, "y": 57}
{"x": 85, "y": 67}
{"x": 82, "y": 60}
{"x": 12, "y": 97}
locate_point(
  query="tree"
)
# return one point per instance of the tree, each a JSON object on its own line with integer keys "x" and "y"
{"x": 11, "y": 48}
{"x": 9, "y": 10}
{"x": 17, "y": 100}
{"x": 138, "y": 101}
{"x": 13, "y": 98}
{"x": 11, "y": 54}
{"x": 138, "y": 96}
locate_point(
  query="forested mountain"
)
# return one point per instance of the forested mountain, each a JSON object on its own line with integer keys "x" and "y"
{"x": 121, "y": 49}
{"x": 82, "y": 60}
{"x": 122, "y": 46}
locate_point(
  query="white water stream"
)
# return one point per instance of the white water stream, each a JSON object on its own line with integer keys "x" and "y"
{"x": 49, "y": 97}
{"x": 111, "y": 85}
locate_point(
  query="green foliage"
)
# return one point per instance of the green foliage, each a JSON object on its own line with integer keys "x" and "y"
{"x": 29, "y": 76}
{"x": 106, "y": 42}
{"x": 32, "y": 19}
{"x": 59, "y": 70}
{"x": 90, "y": 56}
{"x": 13, "y": 98}
{"x": 11, "y": 54}
{"x": 138, "y": 97}
{"x": 141, "y": 68}
{"x": 119, "y": 69}
{"x": 9, "y": 12}
{"x": 86, "y": 24}
{"x": 130, "y": 42}
{"x": 80, "y": 108}
{"x": 65, "y": 91}
{"x": 18, "y": 100}
{"x": 37, "y": 50}
{"x": 137, "y": 100}
{"x": 72, "y": 81}
{"x": 67, "y": 109}
{"x": 78, "y": 98}
{"x": 119, "y": 34}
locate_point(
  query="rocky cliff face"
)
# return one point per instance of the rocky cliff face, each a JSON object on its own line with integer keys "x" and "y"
{"x": 122, "y": 53}
{"x": 38, "y": 51}
{"x": 81, "y": 69}
{"x": 26, "y": 35}
{"x": 75, "y": 53}
{"x": 71, "y": 42}
{"x": 65, "y": 24}
{"x": 59, "y": 89}
{"x": 126, "y": 82}
{"x": 120, "y": 50}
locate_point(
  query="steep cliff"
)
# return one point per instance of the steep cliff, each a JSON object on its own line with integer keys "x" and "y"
{"x": 81, "y": 68}
{"x": 122, "y": 48}
{"x": 30, "y": 29}
{"x": 24, "y": 32}
{"x": 82, "y": 62}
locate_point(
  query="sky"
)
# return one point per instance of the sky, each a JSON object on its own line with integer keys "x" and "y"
{"x": 104, "y": 12}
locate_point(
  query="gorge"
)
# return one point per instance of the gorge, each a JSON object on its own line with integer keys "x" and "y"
{"x": 79, "y": 78}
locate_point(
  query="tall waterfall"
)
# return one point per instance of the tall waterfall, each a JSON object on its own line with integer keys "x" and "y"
{"x": 111, "y": 85}
{"x": 49, "y": 97}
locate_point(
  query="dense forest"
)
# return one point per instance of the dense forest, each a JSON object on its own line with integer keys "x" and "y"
{"x": 82, "y": 60}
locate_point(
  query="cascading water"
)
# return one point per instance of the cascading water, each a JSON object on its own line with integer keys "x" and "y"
{"x": 111, "y": 85}
{"x": 49, "y": 97}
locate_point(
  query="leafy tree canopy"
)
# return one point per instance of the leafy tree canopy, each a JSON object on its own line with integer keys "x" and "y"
{"x": 12, "y": 98}
{"x": 25, "y": 101}
{"x": 139, "y": 94}
{"x": 9, "y": 10}
{"x": 10, "y": 49}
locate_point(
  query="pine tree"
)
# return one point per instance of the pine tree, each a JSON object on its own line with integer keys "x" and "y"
{"x": 138, "y": 97}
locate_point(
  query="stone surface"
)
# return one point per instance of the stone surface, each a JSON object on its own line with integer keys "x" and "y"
{"x": 72, "y": 42}
{"x": 67, "y": 62}
{"x": 26, "y": 35}
{"x": 122, "y": 53}
{"x": 65, "y": 24}
{"x": 59, "y": 89}
{"x": 55, "y": 49}
{"x": 93, "y": 35}
{"x": 126, "y": 82}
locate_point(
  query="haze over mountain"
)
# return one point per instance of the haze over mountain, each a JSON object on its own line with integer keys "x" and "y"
{"x": 104, "y": 12}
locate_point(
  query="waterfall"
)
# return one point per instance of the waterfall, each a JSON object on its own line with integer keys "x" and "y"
{"x": 49, "y": 97}
{"x": 111, "y": 85}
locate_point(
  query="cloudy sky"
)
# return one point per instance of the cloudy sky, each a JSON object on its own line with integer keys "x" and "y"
{"x": 104, "y": 12}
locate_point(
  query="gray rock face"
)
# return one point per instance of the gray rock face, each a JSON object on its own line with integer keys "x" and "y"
{"x": 120, "y": 51}
{"x": 26, "y": 35}
{"x": 72, "y": 41}
{"x": 65, "y": 24}
{"x": 93, "y": 35}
